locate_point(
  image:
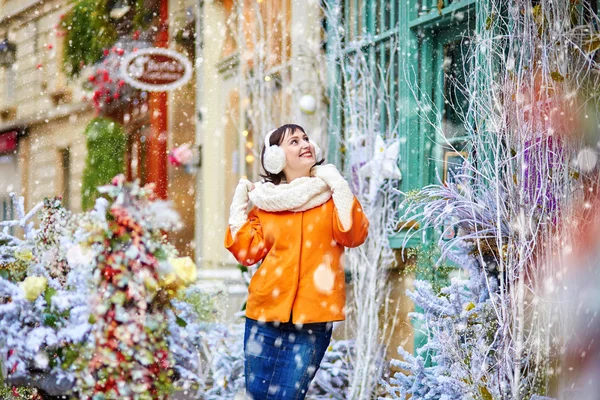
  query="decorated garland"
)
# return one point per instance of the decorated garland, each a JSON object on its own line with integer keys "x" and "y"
{"x": 130, "y": 355}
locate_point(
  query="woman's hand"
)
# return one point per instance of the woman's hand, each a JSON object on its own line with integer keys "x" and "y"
{"x": 329, "y": 174}
{"x": 342, "y": 195}
{"x": 238, "y": 212}
{"x": 240, "y": 194}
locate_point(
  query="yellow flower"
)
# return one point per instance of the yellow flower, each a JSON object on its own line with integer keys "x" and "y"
{"x": 23, "y": 254}
{"x": 184, "y": 269}
{"x": 469, "y": 306}
{"x": 168, "y": 279}
{"x": 33, "y": 286}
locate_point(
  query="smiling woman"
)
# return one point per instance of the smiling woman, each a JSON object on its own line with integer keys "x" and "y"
{"x": 303, "y": 218}
{"x": 288, "y": 153}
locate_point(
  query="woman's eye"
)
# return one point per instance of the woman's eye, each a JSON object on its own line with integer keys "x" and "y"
{"x": 306, "y": 139}
{"x": 294, "y": 141}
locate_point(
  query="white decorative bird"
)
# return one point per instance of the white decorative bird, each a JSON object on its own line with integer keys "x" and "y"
{"x": 383, "y": 165}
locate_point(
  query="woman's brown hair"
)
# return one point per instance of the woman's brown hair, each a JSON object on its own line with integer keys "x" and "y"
{"x": 276, "y": 138}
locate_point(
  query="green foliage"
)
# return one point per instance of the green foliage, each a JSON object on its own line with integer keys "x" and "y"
{"x": 202, "y": 303}
{"x": 88, "y": 32}
{"x": 7, "y": 393}
{"x": 105, "y": 157}
{"x": 425, "y": 268}
{"x": 15, "y": 271}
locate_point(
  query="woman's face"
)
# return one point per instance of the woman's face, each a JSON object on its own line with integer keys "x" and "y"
{"x": 299, "y": 154}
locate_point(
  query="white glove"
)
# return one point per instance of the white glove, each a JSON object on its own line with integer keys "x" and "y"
{"x": 238, "y": 211}
{"x": 342, "y": 195}
{"x": 330, "y": 175}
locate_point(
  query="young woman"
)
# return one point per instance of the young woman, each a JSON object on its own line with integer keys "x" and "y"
{"x": 302, "y": 217}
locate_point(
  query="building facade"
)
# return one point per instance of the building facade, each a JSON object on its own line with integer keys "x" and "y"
{"x": 260, "y": 59}
{"x": 418, "y": 47}
{"x": 43, "y": 114}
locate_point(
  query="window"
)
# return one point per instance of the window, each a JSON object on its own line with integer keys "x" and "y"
{"x": 411, "y": 42}
{"x": 371, "y": 30}
{"x": 451, "y": 67}
{"x": 258, "y": 46}
{"x": 65, "y": 176}
{"x": 7, "y": 212}
{"x": 10, "y": 85}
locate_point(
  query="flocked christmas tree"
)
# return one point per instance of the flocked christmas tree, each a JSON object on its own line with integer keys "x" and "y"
{"x": 91, "y": 304}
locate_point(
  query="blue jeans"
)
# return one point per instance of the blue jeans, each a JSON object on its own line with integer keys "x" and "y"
{"x": 281, "y": 360}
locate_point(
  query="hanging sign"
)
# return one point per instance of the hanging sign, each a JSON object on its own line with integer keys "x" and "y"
{"x": 156, "y": 69}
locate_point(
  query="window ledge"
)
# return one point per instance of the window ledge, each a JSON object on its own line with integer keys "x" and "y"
{"x": 435, "y": 16}
{"x": 405, "y": 240}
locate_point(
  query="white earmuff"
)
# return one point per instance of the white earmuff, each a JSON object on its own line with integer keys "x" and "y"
{"x": 318, "y": 151}
{"x": 274, "y": 157}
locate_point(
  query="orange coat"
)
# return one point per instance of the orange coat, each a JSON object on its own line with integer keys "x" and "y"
{"x": 302, "y": 272}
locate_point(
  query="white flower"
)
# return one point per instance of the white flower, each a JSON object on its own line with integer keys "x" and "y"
{"x": 78, "y": 255}
{"x": 41, "y": 360}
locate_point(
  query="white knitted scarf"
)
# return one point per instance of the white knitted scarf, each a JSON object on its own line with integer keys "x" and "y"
{"x": 299, "y": 195}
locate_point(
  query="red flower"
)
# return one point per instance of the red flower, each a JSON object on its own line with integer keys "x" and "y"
{"x": 108, "y": 273}
{"x": 173, "y": 160}
{"x": 106, "y": 52}
{"x": 163, "y": 360}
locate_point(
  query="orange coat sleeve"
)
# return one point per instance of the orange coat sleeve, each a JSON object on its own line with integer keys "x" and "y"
{"x": 359, "y": 228}
{"x": 248, "y": 245}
